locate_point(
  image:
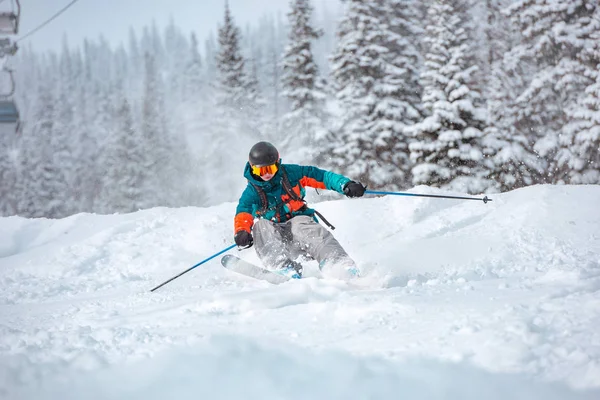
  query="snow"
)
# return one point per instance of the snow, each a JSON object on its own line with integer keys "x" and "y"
{"x": 459, "y": 300}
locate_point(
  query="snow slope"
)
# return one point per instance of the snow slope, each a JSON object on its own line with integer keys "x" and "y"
{"x": 460, "y": 300}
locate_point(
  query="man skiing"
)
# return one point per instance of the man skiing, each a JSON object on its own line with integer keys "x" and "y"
{"x": 286, "y": 228}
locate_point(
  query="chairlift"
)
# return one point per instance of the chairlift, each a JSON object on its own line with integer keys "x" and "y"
{"x": 9, "y": 114}
{"x": 9, "y": 20}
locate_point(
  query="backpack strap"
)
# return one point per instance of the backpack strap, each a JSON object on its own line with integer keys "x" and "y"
{"x": 264, "y": 203}
{"x": 287, "y": 186}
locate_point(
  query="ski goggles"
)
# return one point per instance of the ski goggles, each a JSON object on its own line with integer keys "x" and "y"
{"x": 267, "y": 169}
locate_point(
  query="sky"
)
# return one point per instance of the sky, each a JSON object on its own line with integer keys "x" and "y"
{"x": 113, "y": 18}
{"x": 458, "y": 300}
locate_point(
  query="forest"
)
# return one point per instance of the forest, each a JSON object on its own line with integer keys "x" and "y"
{"x": 470, "y": 96}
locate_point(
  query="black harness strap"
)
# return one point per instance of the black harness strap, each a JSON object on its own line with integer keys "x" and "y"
{"x": 263, "y": 198}
{"x": 324, "y": 220}
{"x": 287, "y": 186}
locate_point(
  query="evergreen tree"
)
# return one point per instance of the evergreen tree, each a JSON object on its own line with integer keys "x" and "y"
{"x": 231, "y": 74}
{"x": 514, "y": 161}
{"x": 304, "y": 125}
{"x": 125, "y": 175}
{"x": 499, "y": 36}
{"x": 373, "y": 72}
{"x": 45, "y": 187}
{"x": 154, "y": 141}
{"x": 581, "y": 141}
{"x": 447, "y": 148}
{"x": 556, "y": 35}
{"x": 8, "y": 175}
{"x": 29, "y": 167}
{"x": 401, "y": 89}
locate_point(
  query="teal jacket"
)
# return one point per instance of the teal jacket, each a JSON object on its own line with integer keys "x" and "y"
{"x": 280, "y": 206}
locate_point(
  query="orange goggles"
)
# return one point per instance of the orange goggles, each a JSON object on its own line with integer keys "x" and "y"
{"x": 262, "y": 171}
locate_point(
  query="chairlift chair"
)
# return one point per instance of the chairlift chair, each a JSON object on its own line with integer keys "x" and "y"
{"x": 9, "y": 114}
{"x": 9, "y": 117}
{"x": 9, "y": 21}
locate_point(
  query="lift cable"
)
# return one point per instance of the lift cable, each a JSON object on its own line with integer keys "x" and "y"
{"x": 47, "y": 21}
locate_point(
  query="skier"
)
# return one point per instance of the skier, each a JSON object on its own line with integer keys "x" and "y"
{"x": 286, "y": 228}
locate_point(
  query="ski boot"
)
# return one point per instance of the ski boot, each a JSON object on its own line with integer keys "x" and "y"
{"x": 291, "y": 269}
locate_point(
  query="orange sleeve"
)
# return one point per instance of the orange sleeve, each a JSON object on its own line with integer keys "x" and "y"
{"x": 243, "y": 222}
{"x": 313, "y": 183}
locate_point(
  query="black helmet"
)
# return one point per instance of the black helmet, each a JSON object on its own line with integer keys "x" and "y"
{"x": 263, "y": 154}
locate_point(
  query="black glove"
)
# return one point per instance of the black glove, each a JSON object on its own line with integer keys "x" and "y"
{"x": 244, "y": 239}
{"x": 354, "y": 189}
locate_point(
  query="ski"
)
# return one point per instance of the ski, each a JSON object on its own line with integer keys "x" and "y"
{"x": 236, "y": 264}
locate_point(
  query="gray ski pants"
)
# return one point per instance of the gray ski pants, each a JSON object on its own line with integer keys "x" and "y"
{"x": 279, "y": 243}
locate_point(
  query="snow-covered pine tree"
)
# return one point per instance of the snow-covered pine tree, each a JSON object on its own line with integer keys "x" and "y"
{"x": 231, "y": 73}
{"x": 44, "y": 184}
{"x": 154, "y": 139}
{"x": 30, "y": 169}
{"x": 498, "y": 37}
{"x": 8, "y": 174}
{"x": 303, "y": 127}
{"x": 447, "y": 148}
{"x": 515, "y": 163}
{"x": 556, "y": 35}
{"x": 400, "y": 91}
{"x": 581, "y": 146}
{"x": 374, "y": 80}
{"x": 88, "y": 122}
{"x": 124, "y": 172}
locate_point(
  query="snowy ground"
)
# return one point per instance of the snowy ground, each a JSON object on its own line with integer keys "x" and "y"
{"x": 460, "y": 300}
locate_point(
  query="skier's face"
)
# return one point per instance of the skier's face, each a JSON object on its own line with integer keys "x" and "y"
{"x": 267, "y": 177}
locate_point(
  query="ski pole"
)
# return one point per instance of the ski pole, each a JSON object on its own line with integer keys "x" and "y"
{"x": 485, "y": 198}
{"x": 191, "y": 268}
